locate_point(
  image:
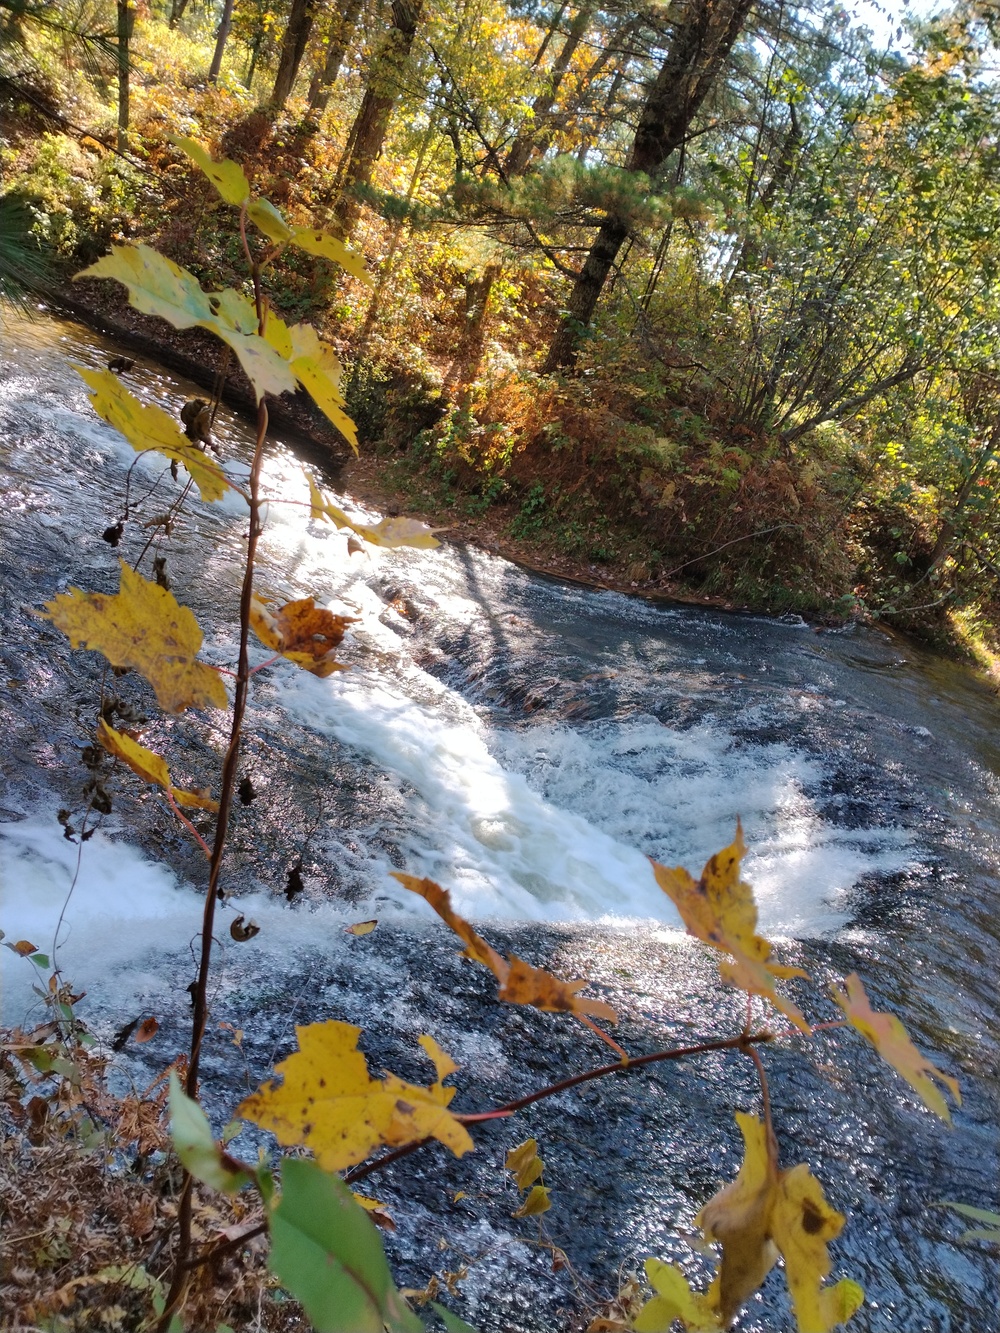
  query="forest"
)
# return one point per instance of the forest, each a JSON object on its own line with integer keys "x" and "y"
{"x": 686, "y": 299}
{"x": 500, "y": 309}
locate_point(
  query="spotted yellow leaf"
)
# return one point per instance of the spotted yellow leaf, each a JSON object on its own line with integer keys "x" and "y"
{"x": 227, "y": 176}
{"x": 765, "y": 1212}
{"x": 328, "y": 1102}
{"x": 144, "y": 627}
{"x": 147, "y": 426}
{"x": 719, "y": 909}
{"x": 890, "y": 1038}
{"x": 149, "y": 766}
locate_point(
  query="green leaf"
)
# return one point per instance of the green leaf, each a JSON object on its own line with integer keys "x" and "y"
{"x": 263, "y": 214}
{"x": 196, "y": 1146}
{"x": 328, "y": 247}
{"x": 967, "y": 1210}
{"x": 158, "y": 286}
{"x": 329, "y": 1256}
{"x": 981, "y": 1234}
{"x": 227, "y": 176}
{"x": 451, "y": 1321}
{"x": 40, "y": 959}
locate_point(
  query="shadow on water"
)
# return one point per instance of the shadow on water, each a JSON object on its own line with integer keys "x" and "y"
{"x": 866, "y": 770}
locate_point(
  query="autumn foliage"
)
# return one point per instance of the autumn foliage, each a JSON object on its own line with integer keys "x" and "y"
{"x": 340, "y": 1120}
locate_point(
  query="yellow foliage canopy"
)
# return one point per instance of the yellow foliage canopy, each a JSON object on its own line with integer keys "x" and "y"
{"x": 142, "y": 626}
{"x": 719, "y": 909}
{"x": 890, "y": 1038}
{"x": 328, "y": 1101}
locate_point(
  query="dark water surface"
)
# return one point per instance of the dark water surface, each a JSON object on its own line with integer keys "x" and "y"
{"x": 528, "y": 744}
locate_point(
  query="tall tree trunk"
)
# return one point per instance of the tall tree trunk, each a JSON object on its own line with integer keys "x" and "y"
{"x": 177, "y": 12}
{"x": 341, "y": 32}
{"x": 222, "y": 36}
{"x": 370, "y": 125}
{"x": 700, "y": 47}
{"x": 126, "y": 20}
{"x": 293, "y": 45}
{"x": 523, "y": 146}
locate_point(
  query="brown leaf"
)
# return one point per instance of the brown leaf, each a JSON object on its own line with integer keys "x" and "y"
{"x": 303, "y": 632}
{"x": 147, "y": 1030}
{"x": 520, "y": 983}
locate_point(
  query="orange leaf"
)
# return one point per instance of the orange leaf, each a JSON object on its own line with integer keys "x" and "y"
{"x": 719, "y": 909}
{"x": 887, "y": 1034}
{"x": 361, "y": 928}
{"x": 303, "y": 632}
{"x": 520, "y": 983}
{"x": 147, "y": 1030}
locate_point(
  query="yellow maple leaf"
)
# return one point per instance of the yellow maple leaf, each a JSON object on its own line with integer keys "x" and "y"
{"x": 520, "y": 983}
{"x": 142, "y": 626}
{"x": 329, "y": 1102}
{"x": 390, "y": 532}
{"x": 301, "y": 631}
{"x": 674, "y": 1300}
{"x": 149, "y": 766}
{"x": 147, "y": 426}
{"x": 890, "y": 1038}
{"x": 802, "y": 1222}
{"x": 765, "y": 1212}
{"x": 719, "y": 909}
{"x": 158, "y": 286}
{"x": 739, "y": 1218}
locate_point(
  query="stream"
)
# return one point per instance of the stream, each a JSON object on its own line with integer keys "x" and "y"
{"x": 528, "y": 744}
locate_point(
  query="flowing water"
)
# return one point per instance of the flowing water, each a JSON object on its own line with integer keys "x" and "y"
{"x": 528, "y": 744}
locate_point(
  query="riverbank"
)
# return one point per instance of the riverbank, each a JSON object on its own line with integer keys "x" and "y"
{"x": 391, "y": 482}
{"x": 388, "y": 483}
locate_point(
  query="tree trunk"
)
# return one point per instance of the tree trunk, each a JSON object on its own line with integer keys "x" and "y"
{"x": 293, "y": 45}
{"x": 220, "y": 40}
{"x": 177, "y": 12}
{"x": 700, "y": 47}
{"x": 370, "y": 125}
{"x": 524, "y": 145}
{"x": 341, "y": 32}
{"x": 126, "y": 20}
